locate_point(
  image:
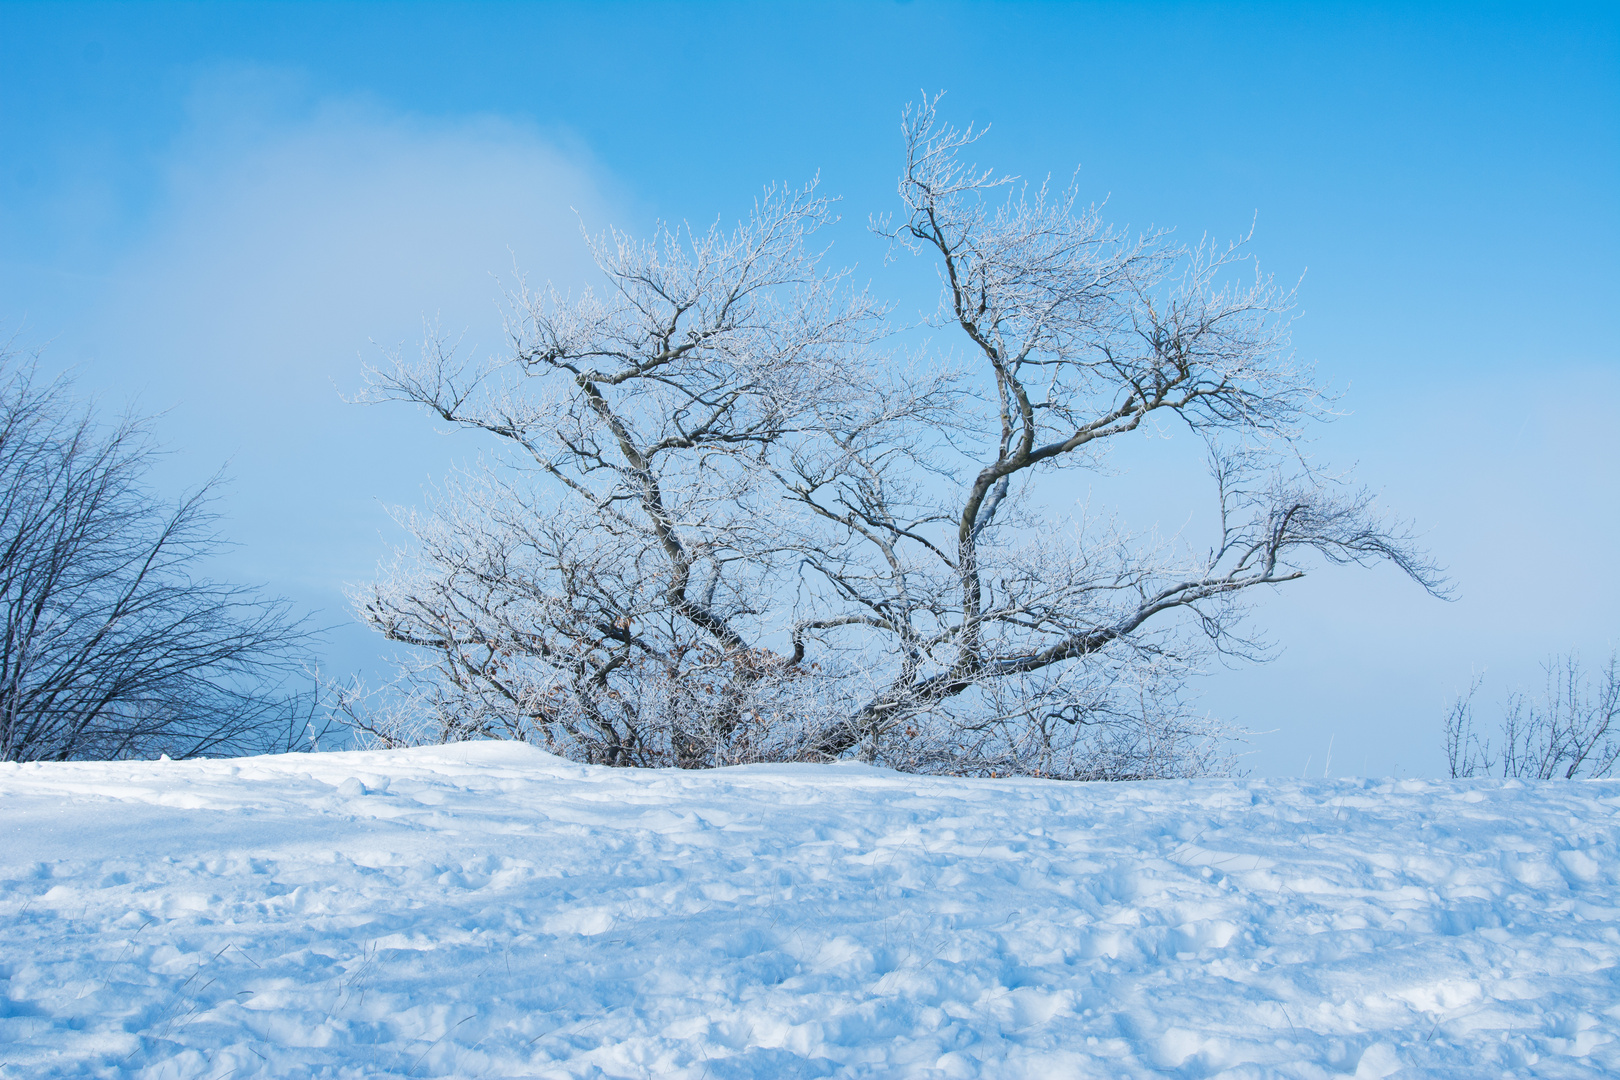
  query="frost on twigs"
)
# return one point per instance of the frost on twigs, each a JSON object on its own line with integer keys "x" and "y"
{"x": 731, "y": 520}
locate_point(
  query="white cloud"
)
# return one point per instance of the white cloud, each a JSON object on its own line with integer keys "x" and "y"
{"x": 284, "y": 246}
{"x": 288, "y": 236}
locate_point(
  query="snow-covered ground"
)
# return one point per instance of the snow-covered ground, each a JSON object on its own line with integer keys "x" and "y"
{"x": 486, "y": 910}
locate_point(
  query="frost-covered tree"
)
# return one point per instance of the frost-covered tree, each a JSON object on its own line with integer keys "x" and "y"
{"x": 733, "y": 527}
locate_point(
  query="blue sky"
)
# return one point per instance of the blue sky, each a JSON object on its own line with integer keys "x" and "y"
{"x": 219, "y": 211}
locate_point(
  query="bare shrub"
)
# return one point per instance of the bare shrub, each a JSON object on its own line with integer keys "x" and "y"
{"x": 1572, "y": 731}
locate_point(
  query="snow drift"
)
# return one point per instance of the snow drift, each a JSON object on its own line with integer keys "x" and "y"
{"x": 487, "y": 910}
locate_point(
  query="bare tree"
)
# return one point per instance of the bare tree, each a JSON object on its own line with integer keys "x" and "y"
{"x": 1573, "y": 731}
{"x": 111, "y": 644}
{"x": 734, "y": 529}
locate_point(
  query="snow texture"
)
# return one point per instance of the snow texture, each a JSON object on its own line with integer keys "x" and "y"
{"x": 487, "y": 910}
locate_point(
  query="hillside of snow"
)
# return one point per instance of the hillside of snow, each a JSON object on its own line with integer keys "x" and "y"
{"x": 487, "y": 910}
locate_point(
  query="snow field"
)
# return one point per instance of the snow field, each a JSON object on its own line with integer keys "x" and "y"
{"x": 487, "y": 910}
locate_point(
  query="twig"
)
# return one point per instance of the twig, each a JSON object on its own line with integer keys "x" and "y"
{"x": 436, "y": 1042}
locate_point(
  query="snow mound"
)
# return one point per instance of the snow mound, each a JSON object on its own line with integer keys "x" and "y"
{"x": 488, "y": 910}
